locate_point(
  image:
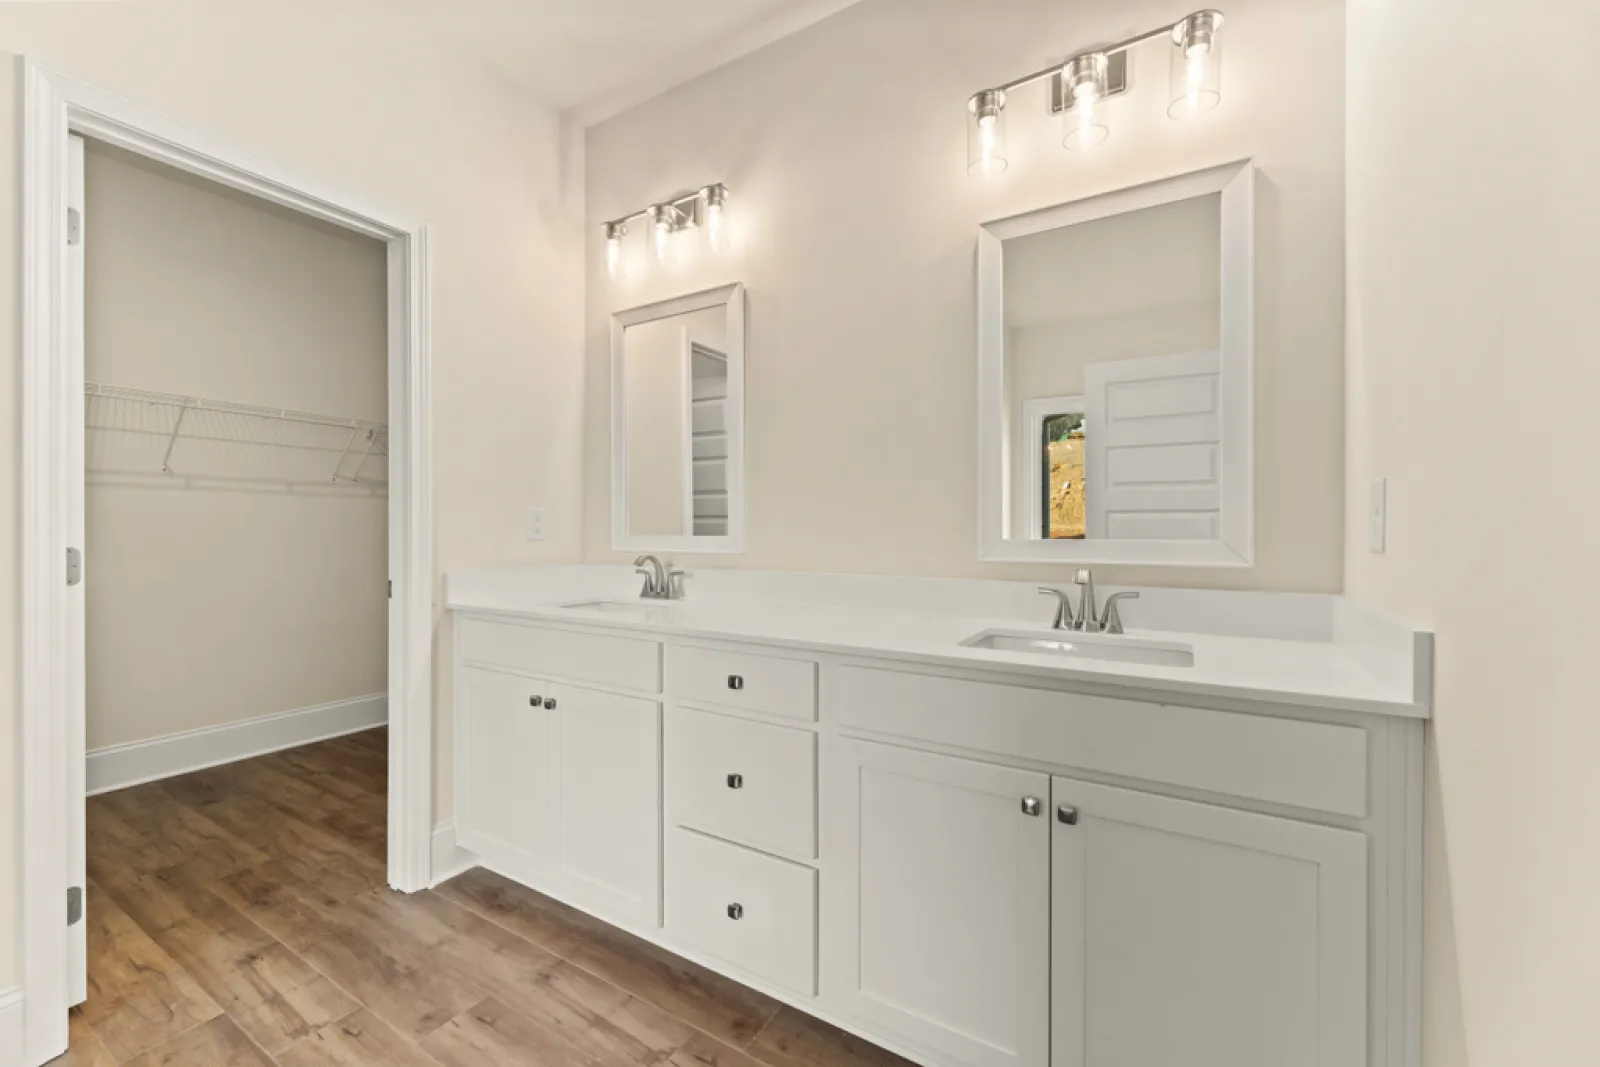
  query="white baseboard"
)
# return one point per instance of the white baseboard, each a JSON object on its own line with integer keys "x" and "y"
{"x": 449, "y": 858}
{"x": 10, "y": 1028}
{"x": 120, "y": 766}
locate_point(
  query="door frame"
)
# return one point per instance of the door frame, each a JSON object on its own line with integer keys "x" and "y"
{"x": 54, "y": 106}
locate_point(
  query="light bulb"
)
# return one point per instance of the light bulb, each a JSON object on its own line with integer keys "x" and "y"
{"x": 1085, "y": 78}
{"x": 1195, "y": 85}
{"x": 715, "y": 198}
{"x": 661, "y": 228}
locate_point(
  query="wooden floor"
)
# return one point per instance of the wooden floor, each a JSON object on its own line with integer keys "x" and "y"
{"x": 238, "y": 917}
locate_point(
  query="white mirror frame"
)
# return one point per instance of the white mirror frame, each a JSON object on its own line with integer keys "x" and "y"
{"x": 733, "y": 541}
{"x": 1236, "y": 545}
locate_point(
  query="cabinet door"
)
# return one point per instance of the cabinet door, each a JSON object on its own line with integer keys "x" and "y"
{"x": 608, "y": 763}
{"x": 1188, "y": 935}
{"x": 503, "y": 768}
{"x": 937, "y": 909}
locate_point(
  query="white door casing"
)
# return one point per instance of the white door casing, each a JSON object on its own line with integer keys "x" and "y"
{"x": 55, "y": 107}
{"x": 76, "y": 599}
{"x": 1153, "y": 450}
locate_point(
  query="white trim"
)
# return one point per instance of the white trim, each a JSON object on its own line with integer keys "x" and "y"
{"x": 54, "y": 105}
{"x": 11, "y": 1028}
{"x": 120, "y": 766}
{"x": 1236, "y": 545}
{"x": 731, "y": 296}
{"x": 449, "y": 858}
{"x": 1034, "y": 412}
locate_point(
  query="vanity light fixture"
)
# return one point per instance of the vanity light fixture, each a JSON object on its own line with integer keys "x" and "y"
{"x": 702, "y": 210}
{"x": 1083, "y": 83}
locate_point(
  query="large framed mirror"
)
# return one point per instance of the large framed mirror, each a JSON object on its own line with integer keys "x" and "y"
{"x": 1115, "y": 339}
{"x": 677, "y": 424}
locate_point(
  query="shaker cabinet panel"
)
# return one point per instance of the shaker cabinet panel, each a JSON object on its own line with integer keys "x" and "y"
{"x": 1189, "y": 935}
{"x": 937, "y": 906}
{"x": 608, "y": 816}
{"x": 503, "y": 763}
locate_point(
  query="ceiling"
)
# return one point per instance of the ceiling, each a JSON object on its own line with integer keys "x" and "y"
{"x": 595, "y": 58}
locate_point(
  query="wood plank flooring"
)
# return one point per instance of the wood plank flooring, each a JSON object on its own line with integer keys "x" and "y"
{"x": 239, "y": 917}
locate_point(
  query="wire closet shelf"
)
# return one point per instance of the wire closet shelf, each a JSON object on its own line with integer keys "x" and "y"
{"x": 143, "y": 437}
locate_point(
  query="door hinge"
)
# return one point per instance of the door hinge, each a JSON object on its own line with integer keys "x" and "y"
{"x": 74, "y": 905}
{"x": 74, "y": 566}
{"x": 74, "y": 226}
{"x": 391, "y": 590}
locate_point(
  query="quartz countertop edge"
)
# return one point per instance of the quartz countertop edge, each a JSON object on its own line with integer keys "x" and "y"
{"x": 1311, "y": 674}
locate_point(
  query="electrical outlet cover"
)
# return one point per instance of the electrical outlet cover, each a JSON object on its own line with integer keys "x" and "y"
{"x": 535, "y": 524}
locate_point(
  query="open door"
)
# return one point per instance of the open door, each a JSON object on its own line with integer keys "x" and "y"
{"x": 1153, "y": 448}
{"x": 77, "y": 851}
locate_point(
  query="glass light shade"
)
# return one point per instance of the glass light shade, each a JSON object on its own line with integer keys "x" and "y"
{"x": 986, "y": 134}
{"x": 1195, "y": 79}
{"x": 715, "y": 198}
{"x": 614, "y": 232}
{"x": 1083, "y": 122}
{"x": 660, "y": 231}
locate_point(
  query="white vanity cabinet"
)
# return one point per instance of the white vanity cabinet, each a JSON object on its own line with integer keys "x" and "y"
{"x": 972, "y": 868}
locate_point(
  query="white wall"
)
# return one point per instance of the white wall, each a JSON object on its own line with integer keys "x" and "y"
{"x": 855, "y": 223}
{"x": 210, "y": 606}
{"x": 358, "y": 104}
{"x": 1474, "y": 255}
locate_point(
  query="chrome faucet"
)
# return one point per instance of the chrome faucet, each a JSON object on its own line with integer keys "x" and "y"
{"x": 660, "y": 582}
{"x": 1088, "y": 618}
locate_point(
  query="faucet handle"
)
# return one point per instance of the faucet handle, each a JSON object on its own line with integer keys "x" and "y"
{"x": 1063, "y": 619}
{"x": 1111, "y": 618}
{"x": 674, "y": 588}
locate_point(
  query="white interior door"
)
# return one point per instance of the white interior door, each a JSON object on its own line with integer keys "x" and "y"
{"x": 1153, "y": 448}
{"x": 77, "y": 849}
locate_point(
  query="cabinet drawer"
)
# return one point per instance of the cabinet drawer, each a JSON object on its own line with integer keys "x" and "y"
{"x": 1285, "y": 761}
{"x": 786, "y": 687}
{"x": 629, "y": 663}
{"x": 743, "y": 779}
{"x": 750, "y": 909}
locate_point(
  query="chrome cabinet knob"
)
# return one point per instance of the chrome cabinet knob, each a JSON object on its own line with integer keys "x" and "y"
{"x": 735, "y": 781}
{"x": 534, "y": 702}
{"x": 1031, "y": 806}
{"x": 549, "y": 703}
{"x": 735, "y": 911}
{"x": 735, "y": 682}
{"x": 1068, "y": 814}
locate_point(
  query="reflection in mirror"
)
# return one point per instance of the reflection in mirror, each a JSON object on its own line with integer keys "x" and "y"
{"x": 1112, "y": 329}
{"x": 1114, "y": 338}
{"x": 677, "y": 385}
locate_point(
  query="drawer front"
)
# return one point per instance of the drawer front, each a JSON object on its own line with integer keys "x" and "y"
{"x": 1285, "y": 761}
{"x": 747, "y": 780}
{"x": 626, "y": 662}
{"x": 786, "y": 687}
{"x": 757, "y": 912}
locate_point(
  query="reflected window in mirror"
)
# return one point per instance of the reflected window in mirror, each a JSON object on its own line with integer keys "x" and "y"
{"x": 677, "y": 424}
{"x": 1115, "y": 368}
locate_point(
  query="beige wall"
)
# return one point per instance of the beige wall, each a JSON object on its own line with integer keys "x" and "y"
{"x": 208, "y": 606}
{"x": 1472, "y": 378}
{"x": 356, "y": 104}
{"x": 854, "y": 225}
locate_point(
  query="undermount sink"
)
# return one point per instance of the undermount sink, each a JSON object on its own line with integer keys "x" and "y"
{"x": 1085, "y": 646}
{"x": 621, "y": 607}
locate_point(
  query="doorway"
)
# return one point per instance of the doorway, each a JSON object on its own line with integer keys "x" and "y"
{"x": 55, "y": 572}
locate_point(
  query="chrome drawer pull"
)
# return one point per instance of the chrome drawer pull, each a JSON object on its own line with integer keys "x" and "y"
{"x": 735, "y": 682}
{"x": 549, "y": 703}
{"x": 735, "y": 911}
{"x": 1068, "y": 814}
{"x": 534, "y": 702}
{"x": 735, "y": 781}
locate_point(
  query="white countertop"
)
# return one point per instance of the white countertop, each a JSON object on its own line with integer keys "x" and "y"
{"x": 1338, "y": 666}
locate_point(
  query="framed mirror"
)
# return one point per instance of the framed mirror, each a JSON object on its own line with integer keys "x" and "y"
{"x": 677, "y": 424}
{"x": 1115, "y": 388}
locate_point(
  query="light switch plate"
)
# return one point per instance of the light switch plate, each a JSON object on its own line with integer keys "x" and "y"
{"x": 535, "y": 524}
{"x": 1377, "y": 515}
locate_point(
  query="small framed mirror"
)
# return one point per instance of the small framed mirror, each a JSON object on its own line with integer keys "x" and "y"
{"x": 677, "y": 424}
{"x": 1115, "y": 339}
